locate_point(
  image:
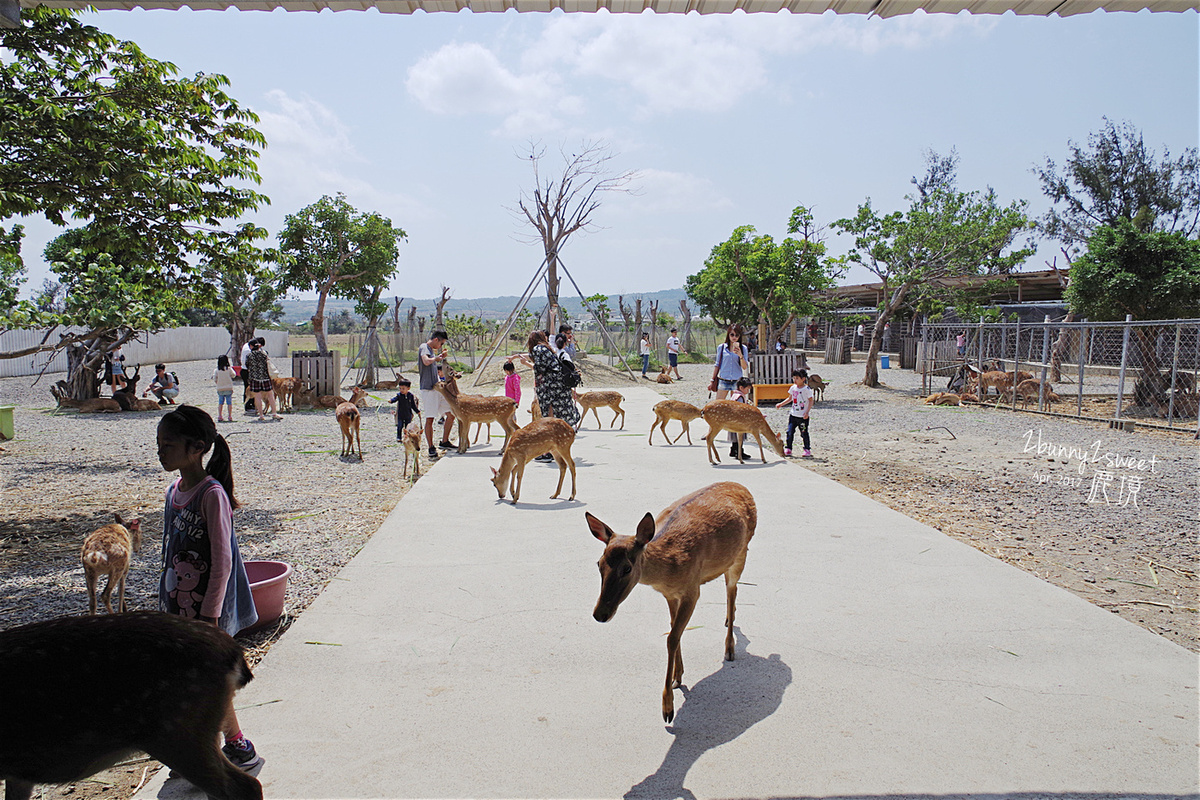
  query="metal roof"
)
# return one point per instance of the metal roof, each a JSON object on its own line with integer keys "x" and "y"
{"x": 881, "y": 8}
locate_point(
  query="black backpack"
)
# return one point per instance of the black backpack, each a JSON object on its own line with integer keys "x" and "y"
{"x": 571, "y": 376}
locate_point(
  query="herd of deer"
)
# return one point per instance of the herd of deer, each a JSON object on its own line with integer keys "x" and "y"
{"x": 1016, "y": 383}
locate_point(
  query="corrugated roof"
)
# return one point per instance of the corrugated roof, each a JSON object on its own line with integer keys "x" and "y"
{"x": 882, "y": 8}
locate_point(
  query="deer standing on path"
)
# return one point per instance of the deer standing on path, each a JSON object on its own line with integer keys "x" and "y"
{"x": 668, "y": 410}
{"x": 469, "y": 408}
{"x": 109, "y": 551}
{"x": 412, "y": 446}
{"x": 349, "y": 417}
{"x": 730, "y": 415}
{"x": 691, "y": 542}
{"x": 603, "y": 398}
{"x": 549, "y": 435}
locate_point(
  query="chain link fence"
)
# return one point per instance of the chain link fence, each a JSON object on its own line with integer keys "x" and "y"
{"x": 1133, "y": 372}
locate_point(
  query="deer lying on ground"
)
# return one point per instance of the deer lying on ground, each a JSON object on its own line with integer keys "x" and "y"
{"x": 82, "y": 693}
{"x": 664, "y": 376}
{"x": 412, "y": 447}
{"x": 735, "y": 417}
{"x": 691, "y": 542}
{"x": 387, "y": 384}
{"x": 109, "y": 551}
{"x": 348, "y": 418}
{"x": 470, "y": 408}
{"x": 547, "y": 435}
{"x": 92, "y": 405}
{"x": 668, "y": 410}
{"x": 358, "y": 398}
{"x": 817, "y": 385}
{"x": 590, "y": 401}
{"x": 943, "y": 399}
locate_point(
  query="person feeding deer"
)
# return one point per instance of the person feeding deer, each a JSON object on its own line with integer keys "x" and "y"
{"x": 203, "y": 576}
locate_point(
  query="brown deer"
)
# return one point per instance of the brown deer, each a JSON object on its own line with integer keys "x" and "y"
{"x": 470, "y": 408}
{"x": 1002, "y": 381}
{"x": 590, "y": 401}
{"x": 412, "y": 447}
{"x": 358, "y": 398}
{"x": 109, "y": 551}
{"x": 668, "y": 410}
{"x": 1029, "y": 389}
{"x": 83, "y": 693}
{"x": 664, "y": 376}
{"x": 286, "y": 390}
{"x": 387, "y": 384}
{"x": 549, "y": 435}
{"x": 691, "y": 542}
{"x": 735, "y": 417}
{"x": 348, "y": 418}
{"x": 91, "y": 406}
{"x": 817, "y": 385}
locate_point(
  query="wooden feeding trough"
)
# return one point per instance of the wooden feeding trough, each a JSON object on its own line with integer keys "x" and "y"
{"x": 772, "y": 374}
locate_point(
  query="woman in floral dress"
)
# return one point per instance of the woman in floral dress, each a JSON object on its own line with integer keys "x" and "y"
{"x": 547, "y": 373}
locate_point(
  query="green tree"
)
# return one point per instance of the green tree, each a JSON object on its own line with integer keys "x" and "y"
{"x": 1116, "y": 177}
{"x": 248, "y": 286}
{"x": 944, "y": 234}
{"x": 599, "y": 305}
{"x": 93, "y": 128}
{"x": 747, "y": 276}
{"x": 337, "y": 251}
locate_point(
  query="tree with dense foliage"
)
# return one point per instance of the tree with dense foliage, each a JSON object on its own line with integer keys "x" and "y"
{"x": 748, "y": 276}
{"x": 943, "y": 235}
{"x": 562, "y": 203}
{"x": 338, "y": 251}
{"x": 249, "y": 286}
{"x": 1116, "y": 177}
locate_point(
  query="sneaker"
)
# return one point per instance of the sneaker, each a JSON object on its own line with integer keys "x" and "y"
{"x": 162, "y": 402}
{"x": 242, "y": 754}
{"x": 544, "y": 457}
{"x": 445, "y": 445}
{"x": 433, "y": 453}
{"x": 807, "y": 454}
{"x": 787, "y": 451}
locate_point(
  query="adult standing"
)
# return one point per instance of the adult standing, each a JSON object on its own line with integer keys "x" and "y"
{"x": 258, "y": 381}
{"x": 644, "y": 352}
{"x": 673, "y": 346}
{"x": 731, "y": 363}
{"x": 548, "y": 382}
{"x": 859, "y": 333}
{"x": 568, "y": 334}
{"x": 430, "y": 355}
{"x": 118, "y": 370}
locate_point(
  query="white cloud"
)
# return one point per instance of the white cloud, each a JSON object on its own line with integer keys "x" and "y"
{"x": 659, "y": 191}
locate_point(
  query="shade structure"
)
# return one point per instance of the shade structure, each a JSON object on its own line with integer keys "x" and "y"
{"x": 881, "y": 8}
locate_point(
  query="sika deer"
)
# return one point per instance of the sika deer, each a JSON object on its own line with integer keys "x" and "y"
{"x": 90, "y": 406}
{"x": 469, "y": 408}
{"x": 730, "y": 415}
{"x": 817, "y": 385}
{"x": 549, "y": 435}
{"x": 668, "y": 410}
{"x": 690, "y": 543}
{"x": 109, "y": 551}
{"x": 412, "y": 446}
{"x": 1029, "y": 389}
{"x": 664, "y": 376}
{"x": 81, "y": 693}
{"x": 349, "y": 417}
{"x": 594, "y": 400}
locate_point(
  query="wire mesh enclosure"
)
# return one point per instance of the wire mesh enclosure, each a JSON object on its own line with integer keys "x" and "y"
{"x": 1143, "y": 372}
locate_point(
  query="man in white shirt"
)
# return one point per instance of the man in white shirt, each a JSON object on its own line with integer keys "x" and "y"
{"x": 673, "y": 353}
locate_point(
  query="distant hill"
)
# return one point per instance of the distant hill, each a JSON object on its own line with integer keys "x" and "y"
{"x": 300, "y": 310}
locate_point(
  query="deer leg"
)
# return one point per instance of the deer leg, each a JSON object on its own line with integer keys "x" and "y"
{"x": 358, "y": 441}
{"x": 652, "y": 427}
{"x": 121, "y": 594}
{"x": 571, "y": 466}
{"x": 464, "y": 434}
{"x": 622, "y": 419}
{"x": 761, "y": 453}
{"x": 681, "y": 612}
{"x": 106, "y": 595}
{"x": 91, "y": 587}
{"x": 712, "y": 451}
{"x": 596, "y": 414}
{"x": 518, "y": 476}
{"x": 732, "y": 576}
{"x": 196, "y": 757}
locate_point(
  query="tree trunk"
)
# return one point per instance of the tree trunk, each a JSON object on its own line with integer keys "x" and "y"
{"x": 871, "y": 376}
{"x": 318, "y": 320}
{"x": 637, "y": 319}
{"x": 1060, "y": 347}
{"x": 240, "y": 333}
{"x": 627, "y": 315}
{"x": 438, "y": 322}
{"x": 775, "y": 333}
{"x": 685, "y": 314}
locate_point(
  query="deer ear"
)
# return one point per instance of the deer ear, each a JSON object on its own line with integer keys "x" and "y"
{"x": 645, "y": 530}
{"x": 494, "y": 473}
{"x": 598, "y": 528}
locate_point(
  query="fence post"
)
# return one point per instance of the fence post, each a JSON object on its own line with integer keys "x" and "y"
{"x": 1016, "y": 363}
{"x": 979, "y": 344}
{"x": 924, "y": 358}
{"x": 1174, "y": 373}
{"x": 1084, "y": 346}
{"x": 1045, "y": 359}
{"x": 1124, "y": 363}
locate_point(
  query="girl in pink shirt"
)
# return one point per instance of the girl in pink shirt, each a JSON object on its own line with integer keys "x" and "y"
{"x": 512, "y": 382}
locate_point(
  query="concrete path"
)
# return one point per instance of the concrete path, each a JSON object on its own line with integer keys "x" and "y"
{"x": 456, "y": 655}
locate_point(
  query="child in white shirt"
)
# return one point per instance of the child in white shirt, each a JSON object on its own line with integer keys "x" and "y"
{"x": 800, "y": 397}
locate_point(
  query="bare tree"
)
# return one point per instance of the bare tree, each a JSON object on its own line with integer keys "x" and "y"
{"x": 685, "y": 315}
{"x": 563, "y": 202}
{"x": 438, "y": 323}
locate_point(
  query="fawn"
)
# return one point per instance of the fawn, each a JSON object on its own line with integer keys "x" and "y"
{"x": 668, "y": 410}
{"x": 349, "y": 417}
{"x": 109, "y": 551}
{"x": 603, "y": 398}
{"x": 691, "y": 542}
{"x": 546, "y": 435}
{"x": 412, "y": 446}
{"x": 730, "y": 415}
{"x": 469, "y": 408}
{"x": 664, "y": 376}
{"x": 81, "y": 693}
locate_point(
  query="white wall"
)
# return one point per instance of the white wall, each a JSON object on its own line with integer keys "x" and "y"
{"x": 172, "y": 345}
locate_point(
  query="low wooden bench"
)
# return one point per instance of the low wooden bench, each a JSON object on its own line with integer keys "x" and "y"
{"x": 772, "y": 374}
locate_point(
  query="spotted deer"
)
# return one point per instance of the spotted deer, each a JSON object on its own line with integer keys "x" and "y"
{"x": 411, "y": 437}
{"x": 109, "y": 551}
{"x": 591, "y": 401}
{"x": 549, "y": 435}
{"x": 692, "y": 541}
{"x": 668, "y": 410}
{"x": 348, "y": 418}
{"x": 735, "y": 417}
{"x": 81, "y": 693}
{"x": 92, "y": 405}
{"x": 469, "y": 408}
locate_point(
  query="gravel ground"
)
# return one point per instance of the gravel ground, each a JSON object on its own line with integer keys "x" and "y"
{"x": 975, "y": 473}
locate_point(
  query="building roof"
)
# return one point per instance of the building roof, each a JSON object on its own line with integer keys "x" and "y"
{"x": 882, "y": 8}
{"x": 1038, "y": 286}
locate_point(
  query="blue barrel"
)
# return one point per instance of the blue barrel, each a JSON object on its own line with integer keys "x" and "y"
{"x": 885, "y": 362}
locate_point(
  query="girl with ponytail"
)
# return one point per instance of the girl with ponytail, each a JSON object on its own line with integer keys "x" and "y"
{"x": 203, "y": 576}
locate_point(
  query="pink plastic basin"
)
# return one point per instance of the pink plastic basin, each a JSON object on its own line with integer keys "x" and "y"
{"x": 268, "y": 585}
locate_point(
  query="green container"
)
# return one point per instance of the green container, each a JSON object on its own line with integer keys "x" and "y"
{"x": 6, "y": 422}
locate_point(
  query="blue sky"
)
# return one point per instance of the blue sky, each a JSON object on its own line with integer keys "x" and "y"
{"x": 729, "y": 119}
